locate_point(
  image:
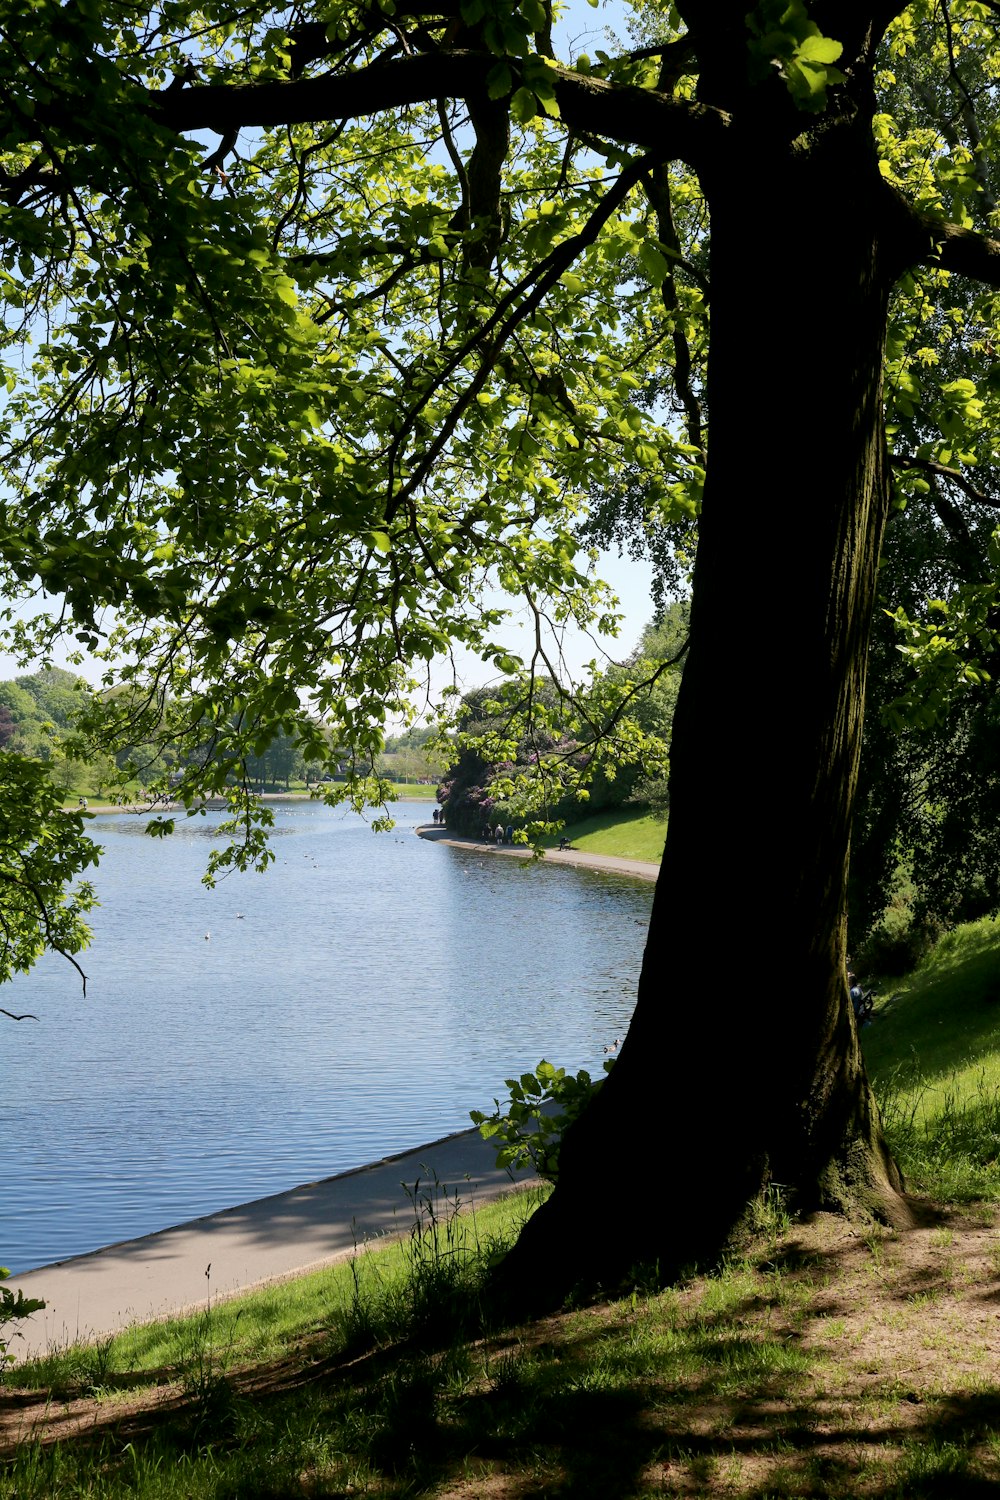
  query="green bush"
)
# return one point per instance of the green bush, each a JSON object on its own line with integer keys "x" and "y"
{"x": 896, "y": 947}
{"x": 524, "y": 1132}
{"x": 13, "y": 1307}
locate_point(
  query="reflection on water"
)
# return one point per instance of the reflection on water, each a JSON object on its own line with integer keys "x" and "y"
{"x": 357, "y": 999}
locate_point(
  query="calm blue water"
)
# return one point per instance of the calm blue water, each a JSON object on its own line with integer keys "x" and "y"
{"x": 376, "y": 988}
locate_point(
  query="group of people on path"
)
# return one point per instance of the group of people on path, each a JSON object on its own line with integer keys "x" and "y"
{"x": 498, "y": 835}
{"x": 489, "y": 835}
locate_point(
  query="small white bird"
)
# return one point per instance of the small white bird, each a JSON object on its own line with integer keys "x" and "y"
{"x": 207, "y": 936}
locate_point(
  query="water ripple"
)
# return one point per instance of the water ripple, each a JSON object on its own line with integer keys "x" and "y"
{"x": 357, "y": 999}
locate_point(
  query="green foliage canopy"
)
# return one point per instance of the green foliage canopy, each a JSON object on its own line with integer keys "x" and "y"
{"x": 279, "y": 405}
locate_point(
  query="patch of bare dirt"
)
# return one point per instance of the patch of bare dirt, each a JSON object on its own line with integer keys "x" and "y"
{"x": 41, "y": 1416}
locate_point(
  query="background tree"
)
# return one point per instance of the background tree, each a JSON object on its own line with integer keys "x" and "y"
{"x": 658, "y": 660}
{"x": 413, "y": 755}
{"x": 277, "y": 764}
{"x": 504, "y": 771}
{"x": 8, "y": 726}
{"x": 532, "y": 752}
{"x": 285, "y": 405}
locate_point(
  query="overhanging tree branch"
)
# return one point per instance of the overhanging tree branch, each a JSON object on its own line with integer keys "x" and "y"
{"x": 944, "y": 471}
{"x": 673, "y": 128}
{"x": 310, "y": 41}
{"x": 497, "y": 329}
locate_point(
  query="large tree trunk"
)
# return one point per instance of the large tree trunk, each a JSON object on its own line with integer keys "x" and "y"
{"x": 742, "y": 1066}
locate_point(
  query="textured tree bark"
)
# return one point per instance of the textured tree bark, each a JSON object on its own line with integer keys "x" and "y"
{"x": 741, "y": 1067}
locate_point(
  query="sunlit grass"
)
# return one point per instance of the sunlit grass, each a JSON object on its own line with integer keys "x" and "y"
{"x": 259, "y": 1325}
{"x": 629, "y": 833}
{"x": 933, "y": 1051}
{"x": 415, "y": 1389}
{"x": 400, "y": 1388}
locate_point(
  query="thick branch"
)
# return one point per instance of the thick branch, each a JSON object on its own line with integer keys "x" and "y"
{"x": 39, "y": 172}
{"x": 493, "y": 334}
{"x": 658, "y": 191}
{"x": 491, "y": 122}
{"x": 954, "y": 522}
{"x": 947, "y": 128}
{"x": 930, "y": 241}
{"x": 675, "y": 128}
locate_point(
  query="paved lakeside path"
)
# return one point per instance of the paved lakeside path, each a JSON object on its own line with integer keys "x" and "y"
{"x": 640, "y": 869}
{"x": 138, "y": 1281}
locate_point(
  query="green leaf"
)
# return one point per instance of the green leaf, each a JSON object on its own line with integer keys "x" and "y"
{"x": 534, "y": 14}
{"x": 499, "y": 81}
{"x": 523, "y": 106}
{"x": 653, "y": 262}
{"x": 819, "y": 49}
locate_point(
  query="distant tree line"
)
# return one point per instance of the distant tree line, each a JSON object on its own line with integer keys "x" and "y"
{"x": 40, "y": 716}
{"x": 414, "y": 755}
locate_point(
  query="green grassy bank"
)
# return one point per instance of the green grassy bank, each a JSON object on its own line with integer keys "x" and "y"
{"x": 933, "y": 1050}
{"x": 627, "y": 832}
{"x": 821, "y": 1360}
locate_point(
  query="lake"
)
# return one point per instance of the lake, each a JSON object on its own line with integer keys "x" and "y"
{"x": 356, "y": 1000}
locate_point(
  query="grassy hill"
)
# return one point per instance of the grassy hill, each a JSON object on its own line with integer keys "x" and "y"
{"x": 933, "y": 1049}
{"x": 820, "y": 1360}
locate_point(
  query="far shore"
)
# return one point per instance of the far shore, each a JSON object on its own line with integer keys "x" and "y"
{"x": 638, "y": 869}
{"x": 614, "y": 864}
{"x": 404, "y": 793}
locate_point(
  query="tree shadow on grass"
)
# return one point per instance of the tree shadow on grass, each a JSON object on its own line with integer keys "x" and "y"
{"x": 765, "y": 1381}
